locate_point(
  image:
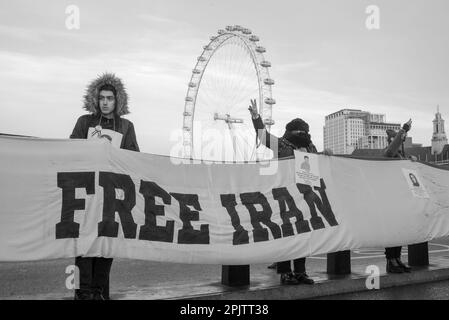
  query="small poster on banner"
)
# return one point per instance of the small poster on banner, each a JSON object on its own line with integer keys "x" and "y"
{"x": 307, "y": 170}
{"x": 415, "y": 183}
{"x": 115, "y": 138}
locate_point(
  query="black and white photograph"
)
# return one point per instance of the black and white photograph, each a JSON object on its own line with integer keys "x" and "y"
{"x": 225, "y": 155}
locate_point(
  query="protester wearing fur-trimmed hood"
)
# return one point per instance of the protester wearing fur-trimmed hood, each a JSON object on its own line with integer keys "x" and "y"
{"x": 111, "y": 82}
{"x": 106, "y": 101}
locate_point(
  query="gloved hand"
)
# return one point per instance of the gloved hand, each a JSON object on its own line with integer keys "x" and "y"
{"x": 407, "y": 126}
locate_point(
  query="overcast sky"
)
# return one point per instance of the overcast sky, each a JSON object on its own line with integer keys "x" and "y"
{"x": 323, "y": 59}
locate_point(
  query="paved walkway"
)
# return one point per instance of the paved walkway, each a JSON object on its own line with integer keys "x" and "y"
{"x": 264, "y": 283}
{"x": 266, "y": 286}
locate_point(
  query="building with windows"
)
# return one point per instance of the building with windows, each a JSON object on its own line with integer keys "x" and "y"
{"x": 437, "y": 153}
{"x": 350, "y": 129}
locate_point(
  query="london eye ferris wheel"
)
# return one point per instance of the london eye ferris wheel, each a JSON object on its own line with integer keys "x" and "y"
{"x": 216, "y": 123}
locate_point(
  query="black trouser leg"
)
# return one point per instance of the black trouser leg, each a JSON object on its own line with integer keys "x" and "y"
{"x": 398, "y": 252}
{"x": 100, "y": 278}
{"x": 389, "y": 253}
{"x": 283, "y": 267}
{"x": 85, "y": 267}
{"x": 299, "y": 265}
{"x": 393, "y": 252}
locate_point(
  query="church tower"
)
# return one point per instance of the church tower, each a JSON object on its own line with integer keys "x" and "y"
{"x": 439, "y": 139}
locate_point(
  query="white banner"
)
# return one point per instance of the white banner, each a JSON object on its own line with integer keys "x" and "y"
{"x": 65, "y": 198}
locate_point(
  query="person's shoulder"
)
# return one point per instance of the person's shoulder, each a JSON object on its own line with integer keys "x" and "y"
{"x": 286, "y": 144}
{"x": 285, "y": 148}
{"x": 126, "y": 124}
{"x": 86, "y": 117}
{"x": 81, "y": 126}
{"x": 124, "y": 120}
{"x": 84, "y": 120}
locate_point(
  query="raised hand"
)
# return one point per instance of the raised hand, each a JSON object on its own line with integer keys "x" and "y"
{"x": 407, "y": 126}
{"x": 253, "y": 109}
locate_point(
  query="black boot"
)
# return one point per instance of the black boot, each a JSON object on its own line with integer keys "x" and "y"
{"x": 393, "y": 266}
{"x": 403, "y": 266}
{"x": 288, "y": 278}
{"x": 83, "y": 294}
{"x": 97, "y": 294}
{"x": 303, "y": 278}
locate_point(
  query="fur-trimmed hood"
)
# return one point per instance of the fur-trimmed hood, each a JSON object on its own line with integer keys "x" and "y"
{"x": 92, "y": 93}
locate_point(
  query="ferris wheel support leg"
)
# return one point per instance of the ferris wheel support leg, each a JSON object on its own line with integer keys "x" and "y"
{"x": 235, "y": 276}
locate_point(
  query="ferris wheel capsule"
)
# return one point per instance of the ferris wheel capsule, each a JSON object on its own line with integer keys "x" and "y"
{"x": 260, "y": 49}
{"x": 213, "y": 38}
{"x": 201, "y": 59}
{"x": 254, "y": 38}
{"x": 221, "y": 31}
{"x": 229, "y": 28}
{"x": 187, "y": 114}
{"x": 246, "y": 31}
{"x": 265, "y": 64}
{"x": 196, "y": 71}
{"x": 268, "y": 81}
{"x": 189, "y": 99}
{"x": 238, "y": 28}
{"x": 192, "y": 84}
{"x": 270, "y": 101}
{"x": 186, "y": 128}
{"x": 207, "y": 48}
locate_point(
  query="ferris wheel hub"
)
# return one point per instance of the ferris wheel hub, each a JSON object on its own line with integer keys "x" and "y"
{"x": 227, "y": 118}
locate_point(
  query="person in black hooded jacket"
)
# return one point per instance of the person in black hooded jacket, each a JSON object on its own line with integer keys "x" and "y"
{"x": 106, "y": 101}
{"x": 395, "y": 149}
{"x": 296, "y": 137}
